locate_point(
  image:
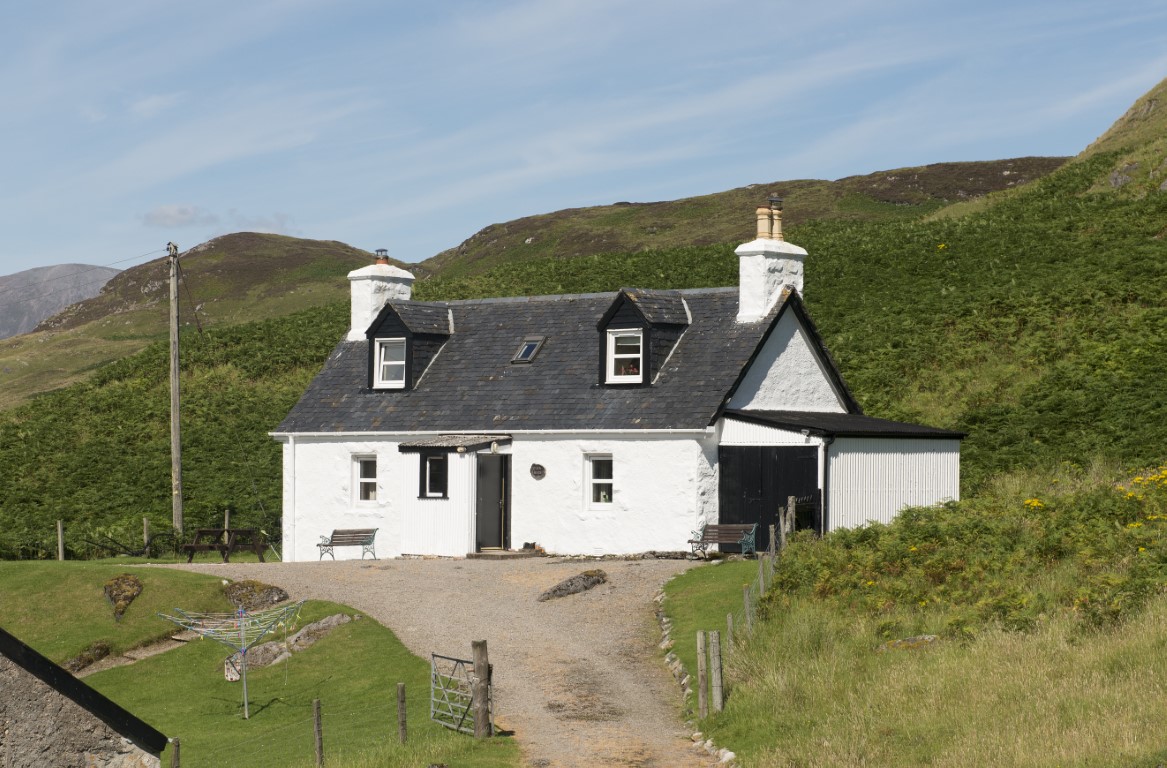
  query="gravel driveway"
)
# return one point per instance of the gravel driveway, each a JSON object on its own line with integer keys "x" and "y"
{"x": 578, "y": 679}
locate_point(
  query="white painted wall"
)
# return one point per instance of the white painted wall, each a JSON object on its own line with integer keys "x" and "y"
{"x": 737, "y": 432}
{"x": 431, "y": 526}
{"x": 787, "y": 375}
{"x": 661, "y": 484}
{"x": 664, "y": 484}
{"x": 871, "y": 479}
{"x": 319, "y": 495}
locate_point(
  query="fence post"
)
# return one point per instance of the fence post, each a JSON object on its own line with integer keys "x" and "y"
{"x": 746, "y": 603}
{"x": 60, "y": 540}
{"x": 401, "y": 712}
{"x": 729, "y": 633}
{"x": 175, "y": 760}
{"x": 772, "y": 534}
{"x": 761, "y": 576}
{"x": 146, "y": 534}
{"x": 715, "y": 670}
{"x": 702, "y": 680}
{"x": 318, "y": 730}
{"x": 481, "y": 690}
{"x": 788, "y": 519}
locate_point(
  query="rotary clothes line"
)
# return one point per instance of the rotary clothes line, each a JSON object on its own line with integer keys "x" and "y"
{"x": 240, "y": 630}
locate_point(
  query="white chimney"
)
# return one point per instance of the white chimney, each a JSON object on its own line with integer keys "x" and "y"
{"x": 372, "y": 287}
{"x": 766, "y": 265}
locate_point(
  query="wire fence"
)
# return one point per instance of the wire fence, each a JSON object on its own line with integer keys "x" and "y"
{"x": 344, "y": 733}
{"x": 82, "y": 542}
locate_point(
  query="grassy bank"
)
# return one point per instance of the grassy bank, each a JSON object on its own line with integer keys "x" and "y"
{"x": 1045, "y": 597}
{"x": 60, "y": 609}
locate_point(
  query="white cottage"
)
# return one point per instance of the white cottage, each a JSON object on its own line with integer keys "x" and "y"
{"x": 592, "y": 424}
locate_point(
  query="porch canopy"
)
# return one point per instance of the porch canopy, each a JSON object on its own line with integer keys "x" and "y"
{"x": 453, "y": 443}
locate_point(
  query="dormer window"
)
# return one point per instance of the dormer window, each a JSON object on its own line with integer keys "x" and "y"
{"x": 625, "y": 356}
{"x": 390, "y": 365}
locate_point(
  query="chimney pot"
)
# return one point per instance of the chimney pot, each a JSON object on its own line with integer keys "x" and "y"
{"x": 382, "y": 256}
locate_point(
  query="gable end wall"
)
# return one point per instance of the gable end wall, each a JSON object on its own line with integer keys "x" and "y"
{"x": 788, "y": 375}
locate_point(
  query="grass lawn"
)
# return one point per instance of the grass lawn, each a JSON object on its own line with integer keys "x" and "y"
{"x": 59, "y": 608}
{"x": 700, "y": 598}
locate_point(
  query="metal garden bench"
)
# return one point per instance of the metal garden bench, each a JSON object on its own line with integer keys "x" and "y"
{"x": 348, "y": 537}
{"x": 726, "y": 533}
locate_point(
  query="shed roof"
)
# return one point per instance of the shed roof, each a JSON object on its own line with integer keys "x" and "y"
{"x": 842, "y": 424}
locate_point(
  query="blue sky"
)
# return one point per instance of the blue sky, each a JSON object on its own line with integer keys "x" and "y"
{"x": 411, "y": 125}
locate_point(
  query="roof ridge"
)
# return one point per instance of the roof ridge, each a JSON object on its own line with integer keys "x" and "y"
{"x": 569, "y": 296}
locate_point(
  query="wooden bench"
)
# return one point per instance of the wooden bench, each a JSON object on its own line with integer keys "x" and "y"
{"x": 225, "y": 541}
{"x": 727, "y": 533}
{"x": 348, "y": 537}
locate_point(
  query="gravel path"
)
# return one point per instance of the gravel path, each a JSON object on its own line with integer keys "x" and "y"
{"x": 578, "y": 679}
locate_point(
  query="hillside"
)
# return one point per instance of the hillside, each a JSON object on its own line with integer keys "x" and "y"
{"x": 232, "y": 279}
{"x": 901, "y": 194}
{"x": 1033, "y": 322}
{"x": 28, "y": 297}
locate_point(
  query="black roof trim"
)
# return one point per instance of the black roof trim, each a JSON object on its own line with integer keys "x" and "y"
{"x": 56, "y": 677}
{"x": 842, "y": 424}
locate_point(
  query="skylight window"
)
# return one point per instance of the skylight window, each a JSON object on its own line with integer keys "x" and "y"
{"x": 528, "y": 349}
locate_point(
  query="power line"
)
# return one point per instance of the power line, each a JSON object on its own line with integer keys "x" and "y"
{"x": 88, "y": 268}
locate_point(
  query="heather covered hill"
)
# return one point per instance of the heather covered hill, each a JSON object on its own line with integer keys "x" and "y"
{"x": 901, "y": 194}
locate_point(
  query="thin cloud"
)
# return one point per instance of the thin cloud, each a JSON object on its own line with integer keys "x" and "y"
{"x": 176, "y": 216}
{"x": 149, "y": 106}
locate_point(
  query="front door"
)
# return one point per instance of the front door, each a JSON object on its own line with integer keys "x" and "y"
{"x": 492, "y": 528}
{"x": 754, "y": 482}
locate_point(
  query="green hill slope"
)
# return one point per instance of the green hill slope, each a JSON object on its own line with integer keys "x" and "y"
{"x": 724, "y": 217}
{"x": 231, "y": 279}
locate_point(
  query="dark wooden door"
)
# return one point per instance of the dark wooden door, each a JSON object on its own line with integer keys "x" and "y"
{"x": 492, "y": 525}
{"x": 754, "y": 482}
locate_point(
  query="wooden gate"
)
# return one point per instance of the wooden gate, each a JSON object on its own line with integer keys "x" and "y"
{"x": 452, "y": 693}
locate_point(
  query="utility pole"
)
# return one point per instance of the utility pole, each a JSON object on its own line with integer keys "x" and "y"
{"x": 175, "y": 433}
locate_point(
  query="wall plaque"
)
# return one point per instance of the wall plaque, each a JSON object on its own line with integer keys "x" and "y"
{"x": 538, "y": 472}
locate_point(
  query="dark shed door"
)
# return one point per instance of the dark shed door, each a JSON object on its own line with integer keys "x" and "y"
{"x": 754, "y": 482}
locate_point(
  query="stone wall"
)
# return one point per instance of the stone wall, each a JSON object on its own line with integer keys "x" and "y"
{"x": 40, "y": 727}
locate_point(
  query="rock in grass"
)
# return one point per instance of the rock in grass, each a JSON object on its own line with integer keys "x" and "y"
{"x": 121, "y": 591}
{"x": 274, "y": 651}
{"x": 250, "y": 594}
{"x": 909, "y": 643}
{"x": 97, "y": 651}
{"x": 581, "y": 583}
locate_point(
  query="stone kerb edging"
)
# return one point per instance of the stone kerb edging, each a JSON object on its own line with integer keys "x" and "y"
{"x": 685, "y": 681}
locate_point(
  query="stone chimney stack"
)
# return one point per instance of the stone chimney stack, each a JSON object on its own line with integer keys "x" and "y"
{"x": 766, "y": 265}
{"x": 372, "y": 287}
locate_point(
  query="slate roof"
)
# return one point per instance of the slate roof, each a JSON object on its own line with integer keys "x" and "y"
{"x": 472, "y": 386}
{"x": 842, "y": 424}
{"x": 419, "y": 316}
{"x": 667, "y": 307}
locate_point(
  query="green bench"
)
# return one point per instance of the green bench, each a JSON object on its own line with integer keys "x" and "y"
{"x": 724, "y": 533}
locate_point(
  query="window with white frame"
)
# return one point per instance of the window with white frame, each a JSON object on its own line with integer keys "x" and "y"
{"x": 625, "y": 356}
{"x": 390, "y": 369}
{"x": 434, "y": 475}
{"x": 599, "y": 479}
{"x": 364, "y": 478}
